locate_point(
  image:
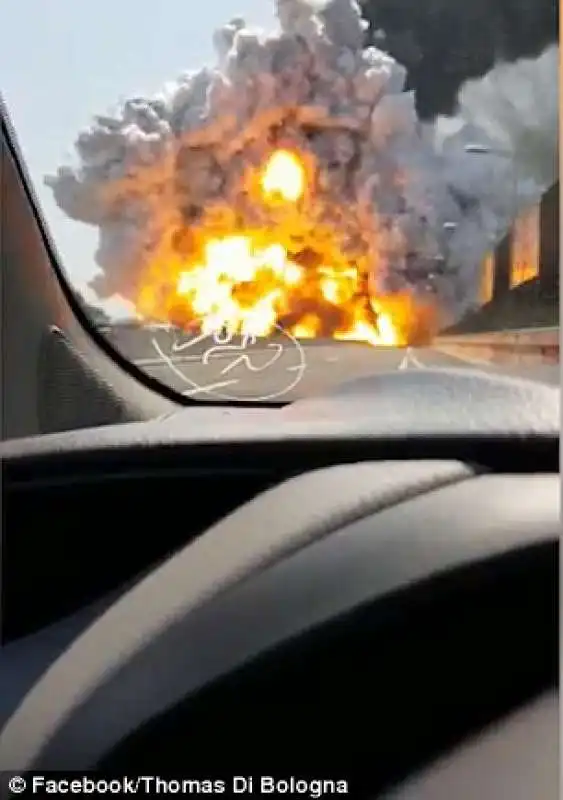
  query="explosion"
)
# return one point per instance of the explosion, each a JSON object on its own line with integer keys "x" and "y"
{"x": 291, "y": 186}
{"x": 252, "y": 281}
{"x": 284, "y": 176}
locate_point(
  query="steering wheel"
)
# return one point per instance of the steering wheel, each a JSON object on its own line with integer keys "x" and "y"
{"x": 419, "y": 594}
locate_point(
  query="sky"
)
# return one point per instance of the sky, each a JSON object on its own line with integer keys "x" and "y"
{"x": 63, "y": 61}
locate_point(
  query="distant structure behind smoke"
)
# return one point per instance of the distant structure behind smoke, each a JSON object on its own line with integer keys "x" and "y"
{"x": 149, "y": 171}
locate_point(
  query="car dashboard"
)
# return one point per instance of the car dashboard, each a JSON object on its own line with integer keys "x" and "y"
{"x": 386, "y": 554}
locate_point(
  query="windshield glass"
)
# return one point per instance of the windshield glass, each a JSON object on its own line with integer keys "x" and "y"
{"x": 260, "y": 199}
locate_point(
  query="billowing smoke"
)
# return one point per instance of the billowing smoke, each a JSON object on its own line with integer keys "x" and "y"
{"x": 445, "y": 44}
{"x": 518, "y": 105}
{"x": 422, "y": 215}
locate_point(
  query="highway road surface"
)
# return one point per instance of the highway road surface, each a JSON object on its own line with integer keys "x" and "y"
{"x": 283, "y": 370}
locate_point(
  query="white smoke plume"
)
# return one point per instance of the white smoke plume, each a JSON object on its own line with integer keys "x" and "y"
{"x": 419, "y": 211}
{"x": 517, "y": 104}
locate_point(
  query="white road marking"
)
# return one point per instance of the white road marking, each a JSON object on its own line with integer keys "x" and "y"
{"x": 414, "y": 360}
{"x": 405, "y": 362}
{"x": 156, "y": 362}
{"x": 410, "y": 361}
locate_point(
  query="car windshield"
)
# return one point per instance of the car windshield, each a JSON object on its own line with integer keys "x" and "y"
{"x": 260, "y": 199}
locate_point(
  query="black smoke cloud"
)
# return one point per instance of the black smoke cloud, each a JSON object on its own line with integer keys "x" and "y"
{"x": 444, "y": 43}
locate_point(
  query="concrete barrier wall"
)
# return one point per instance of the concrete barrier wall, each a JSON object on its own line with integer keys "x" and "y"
{"x": 529, "y": 346}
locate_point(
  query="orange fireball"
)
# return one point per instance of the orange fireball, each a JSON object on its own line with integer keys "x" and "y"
{"x": 250, "y": 280}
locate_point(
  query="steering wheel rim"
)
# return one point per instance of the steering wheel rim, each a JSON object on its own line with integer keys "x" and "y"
{"x": 334, "y": 545}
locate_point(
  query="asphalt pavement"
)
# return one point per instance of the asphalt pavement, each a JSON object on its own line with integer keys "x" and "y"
{"x": 283, "y": 369}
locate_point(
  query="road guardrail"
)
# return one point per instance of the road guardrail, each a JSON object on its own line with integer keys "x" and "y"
{"x": 523, "y": 346}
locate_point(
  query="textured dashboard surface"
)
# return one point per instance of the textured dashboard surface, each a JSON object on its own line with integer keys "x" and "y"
{"x": 307, "y": 551}
{"x": 421, "y": 404}
{"x": 68, "y": 384}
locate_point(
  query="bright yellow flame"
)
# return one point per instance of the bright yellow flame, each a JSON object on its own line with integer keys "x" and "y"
{"x": 284, "y": 176}
{"x": 384, "y": 335}
{"x": 244, "y": 286}
{"x": 249, "y": 281}
{"x": 293, "y": 274}
{"x": 231, "y": 263}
